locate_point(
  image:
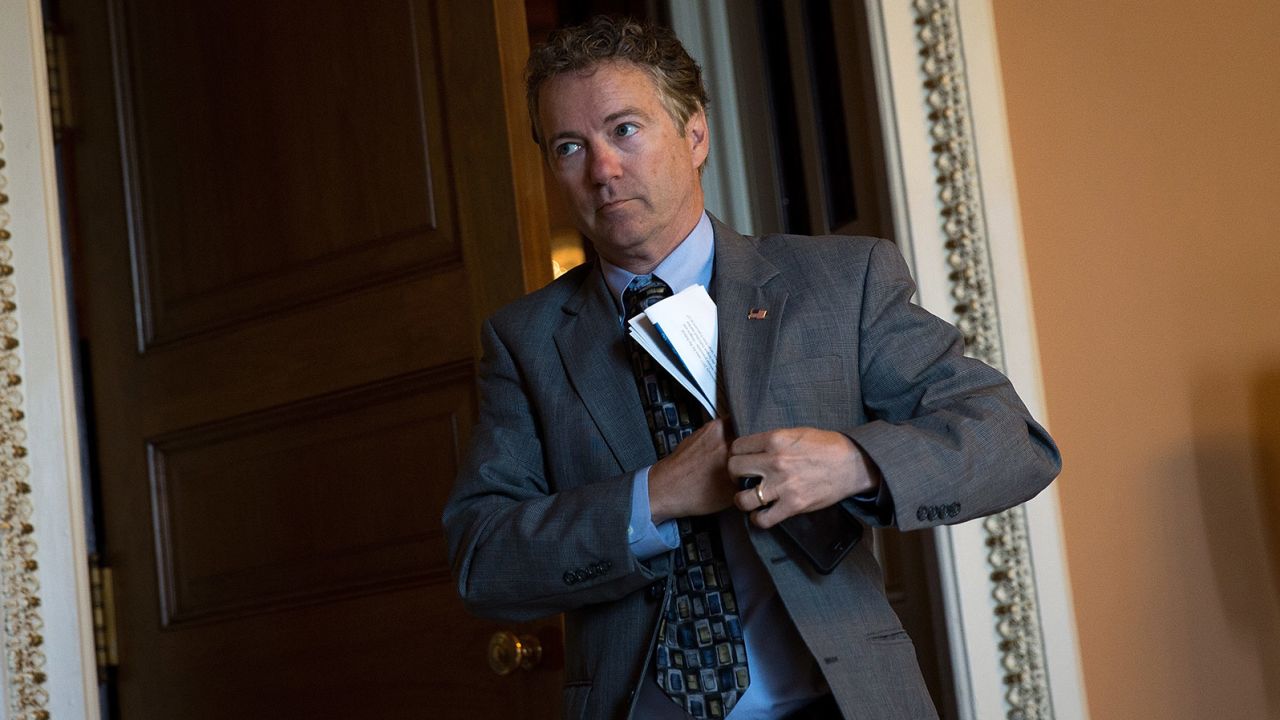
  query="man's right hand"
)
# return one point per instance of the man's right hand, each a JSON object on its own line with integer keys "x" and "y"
{"x": 693, "y": 480}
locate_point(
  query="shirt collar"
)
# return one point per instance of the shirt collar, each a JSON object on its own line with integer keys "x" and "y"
{"x": 689, "y": 264}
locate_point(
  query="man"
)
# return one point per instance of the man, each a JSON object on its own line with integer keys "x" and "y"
{"x": 594, "y": 489}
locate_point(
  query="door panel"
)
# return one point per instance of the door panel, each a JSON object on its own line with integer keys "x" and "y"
{"x": 317, "y": 125}
{"x": 310, "y": 533}
{"x": 290, "y": 218}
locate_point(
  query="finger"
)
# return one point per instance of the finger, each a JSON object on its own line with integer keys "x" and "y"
{"x": 767, "y": 517}
{"x": 746, "y": 501}
{"x": 763, "y": 519}
{"x": 757, "y": 443}
{"x": 712, "y": 429}
{"x": 744, "y": 465}
{"x": 751, "y": 499}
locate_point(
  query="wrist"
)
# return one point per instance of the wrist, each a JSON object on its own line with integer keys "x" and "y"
{"x": 866, "y": 474}
{"x": 658, "y": 510}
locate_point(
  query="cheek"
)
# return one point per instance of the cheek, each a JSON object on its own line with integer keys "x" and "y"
{"x": 569, "y": 185}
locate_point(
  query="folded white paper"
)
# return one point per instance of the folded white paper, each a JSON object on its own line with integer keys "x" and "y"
{"x": 681, "y": 334}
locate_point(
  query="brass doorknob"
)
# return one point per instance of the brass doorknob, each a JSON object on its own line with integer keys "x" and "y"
{"x": 509, "y": 652}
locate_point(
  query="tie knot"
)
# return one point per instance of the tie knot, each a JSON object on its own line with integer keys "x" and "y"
{"x": 643, "y": 291}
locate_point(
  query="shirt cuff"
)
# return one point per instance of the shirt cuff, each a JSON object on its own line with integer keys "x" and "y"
{"x": 876, "y": 503}
{"x": 647, "y": 539}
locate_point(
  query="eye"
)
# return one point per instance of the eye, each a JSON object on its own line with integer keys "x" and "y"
{"x": 566, "y": 149}
{"x": 626, "y": 129}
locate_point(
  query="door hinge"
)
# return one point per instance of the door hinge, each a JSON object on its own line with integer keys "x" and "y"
{"x": 102, "y": 593}
{"x": 55, "y": 48}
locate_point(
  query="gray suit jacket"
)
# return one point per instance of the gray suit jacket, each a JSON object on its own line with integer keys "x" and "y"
{"x": 537, "y": 523}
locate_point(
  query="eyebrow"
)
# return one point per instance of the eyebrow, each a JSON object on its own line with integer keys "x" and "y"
{"x": 611, "y": 117}
{"x": 625, "y": 112}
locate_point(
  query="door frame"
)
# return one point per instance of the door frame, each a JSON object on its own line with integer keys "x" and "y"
{"x": 934, "y": 60}
{"x": 1046, "y": 680}
{"x": 58, "y": 672}
{"x": 1017, "y": 655}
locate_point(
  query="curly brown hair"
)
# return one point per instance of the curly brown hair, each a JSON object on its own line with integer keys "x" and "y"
{"x": 602, "y": 39}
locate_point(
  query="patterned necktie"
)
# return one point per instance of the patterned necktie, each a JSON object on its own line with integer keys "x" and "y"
{"x": 701, "y": 660}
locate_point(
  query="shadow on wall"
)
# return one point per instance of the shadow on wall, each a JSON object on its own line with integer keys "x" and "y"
{"x": 1237, "y": 465}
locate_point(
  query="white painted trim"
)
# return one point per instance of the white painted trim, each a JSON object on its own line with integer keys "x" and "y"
{"x": 962, "y": 549}
{"x": 47, "y": 370}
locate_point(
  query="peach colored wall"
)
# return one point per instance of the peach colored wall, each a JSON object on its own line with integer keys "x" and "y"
{"x": 1146, "y": 143}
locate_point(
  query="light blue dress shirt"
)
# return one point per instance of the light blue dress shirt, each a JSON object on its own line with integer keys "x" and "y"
{"x": 784, "y": 676}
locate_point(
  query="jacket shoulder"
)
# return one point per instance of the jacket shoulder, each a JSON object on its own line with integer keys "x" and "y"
{"x": 826, "y": 259}
{"x": 817, "y": 248}
{"x": 544, "y": 304}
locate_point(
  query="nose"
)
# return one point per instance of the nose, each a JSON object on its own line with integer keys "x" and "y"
{"x": 606, "y": 165}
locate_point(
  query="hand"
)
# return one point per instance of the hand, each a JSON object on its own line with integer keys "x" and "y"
{"x": 693, "y": 480}
{"x": 803, "y": 469}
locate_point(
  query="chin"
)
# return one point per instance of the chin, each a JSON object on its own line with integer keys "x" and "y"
{"x": 618, "y": 239}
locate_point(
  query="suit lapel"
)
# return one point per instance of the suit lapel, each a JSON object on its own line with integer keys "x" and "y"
{"x": 746, "y": 283}
{"x": 593, "y": 348}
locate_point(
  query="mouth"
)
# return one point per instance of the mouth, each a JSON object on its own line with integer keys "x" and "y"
{"x": 611, "y": 205}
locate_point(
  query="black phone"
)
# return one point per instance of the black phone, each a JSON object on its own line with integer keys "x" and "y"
{"x": 824, "y": 536}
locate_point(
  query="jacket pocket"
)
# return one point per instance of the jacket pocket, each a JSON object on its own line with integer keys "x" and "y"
{"x": 574, "y": 700}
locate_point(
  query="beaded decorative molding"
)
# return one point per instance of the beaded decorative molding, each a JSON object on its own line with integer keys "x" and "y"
{"x": 1016, "y": 611}
{"x": 19, "y": 588}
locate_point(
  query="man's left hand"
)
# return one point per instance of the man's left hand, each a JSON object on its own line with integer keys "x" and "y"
{"x": 802, "y": 470}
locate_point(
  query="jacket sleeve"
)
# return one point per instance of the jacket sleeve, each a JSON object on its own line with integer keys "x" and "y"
{"x": 950, "y": 436}
{"x": 522, "y": 547}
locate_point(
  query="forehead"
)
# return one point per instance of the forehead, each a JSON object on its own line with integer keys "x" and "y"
{"x": 597, "y": 92}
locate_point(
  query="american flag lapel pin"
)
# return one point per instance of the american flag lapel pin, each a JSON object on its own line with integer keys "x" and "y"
{"x": 757, "y": 314}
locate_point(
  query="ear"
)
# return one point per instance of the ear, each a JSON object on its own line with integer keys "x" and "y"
{"x": 696, "y": 135}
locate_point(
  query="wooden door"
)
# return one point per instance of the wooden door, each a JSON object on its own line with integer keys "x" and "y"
{"x": 288, "y": 218}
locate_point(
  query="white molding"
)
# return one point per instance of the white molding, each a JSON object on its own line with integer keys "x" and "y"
{"x": 963, "y": 551}
{"x": 48, "y": 380}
